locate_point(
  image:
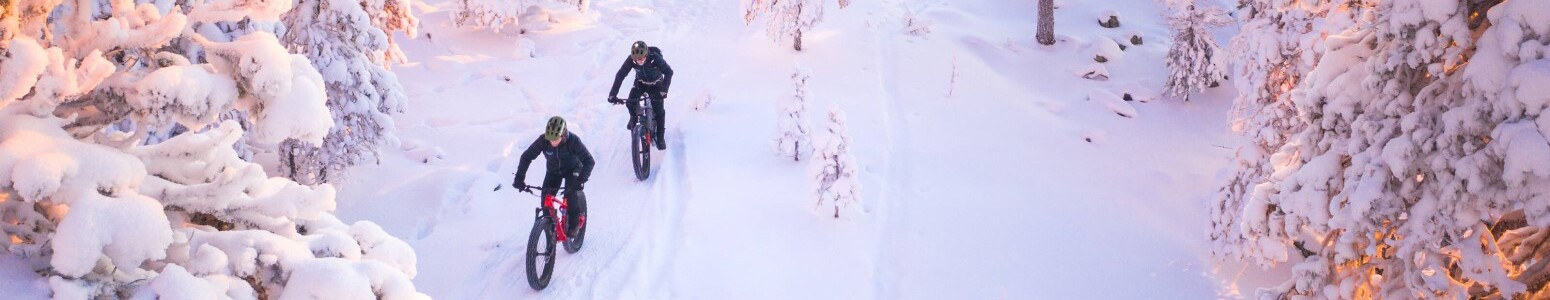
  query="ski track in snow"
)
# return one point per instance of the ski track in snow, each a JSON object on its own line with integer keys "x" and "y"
{"x": 677, "y": 194}
{"x": 649, "y": 221}
{"x": 898, "y": 123}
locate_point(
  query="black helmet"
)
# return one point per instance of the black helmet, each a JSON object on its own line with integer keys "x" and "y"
{"x": 555, "y": 129}
{"x": 638, "y": 50}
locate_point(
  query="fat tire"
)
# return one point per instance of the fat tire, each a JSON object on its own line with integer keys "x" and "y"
{"x": 538, "y": 276}
{"x": 640, "y": 153}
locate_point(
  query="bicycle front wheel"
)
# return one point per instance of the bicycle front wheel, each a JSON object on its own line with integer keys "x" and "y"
{"x": 540, "y": 254}
{"x": 640, "y": 152}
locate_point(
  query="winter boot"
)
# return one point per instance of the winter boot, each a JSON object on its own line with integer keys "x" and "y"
{"x": 661, "y": 132}
{"x": 659, "y": 140}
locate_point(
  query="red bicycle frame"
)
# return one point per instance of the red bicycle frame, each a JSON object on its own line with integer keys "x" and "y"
{"x": 559, "y": 222}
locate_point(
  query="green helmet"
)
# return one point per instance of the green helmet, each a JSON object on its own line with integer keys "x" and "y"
{"x": 556, "y": 129}
{"x": 638, "y": 50}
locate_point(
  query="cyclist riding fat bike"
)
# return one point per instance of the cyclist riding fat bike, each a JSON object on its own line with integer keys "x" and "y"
{"x": 653, "y": 76}
{"x": 567, "y": 162}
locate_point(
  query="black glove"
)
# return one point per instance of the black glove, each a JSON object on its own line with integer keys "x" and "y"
{"x": 521, "y": 186}
{"x": 615, "y": 100}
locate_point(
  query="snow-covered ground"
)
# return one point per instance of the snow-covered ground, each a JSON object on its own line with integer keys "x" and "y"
{"x": 987, "y": 173}
{"x": 993, "y": 191}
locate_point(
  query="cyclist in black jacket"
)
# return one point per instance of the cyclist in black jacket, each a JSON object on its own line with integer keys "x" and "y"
{"x": 567, "y": 160}
{"x": 652, "y": 75}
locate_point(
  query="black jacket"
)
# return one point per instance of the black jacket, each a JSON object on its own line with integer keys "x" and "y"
{"x": 655, "y": 70}
{"x": 570, "y": 157}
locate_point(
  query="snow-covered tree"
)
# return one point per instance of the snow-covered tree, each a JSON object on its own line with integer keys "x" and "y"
{"x": 1045, "y": 33}
{"x": 1194, "y": 59}
{"x": 1421, "y": 168}
{"x": 353, "y": 42}
{"x": 791, "y": 135}
{"x": 103, "y": 215}
{"x": 787, "y": 19}
{"x": 497, "y": 15}
{"x": 834, "y": 170}
{"x": 1273, "y": 49}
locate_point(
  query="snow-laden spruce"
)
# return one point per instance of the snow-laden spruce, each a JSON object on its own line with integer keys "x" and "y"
{"x": 792, "y": 138}
{"x": 351, "y": 42}
{"x": 834, "y": 170}
{"x": 101, "y": 214}
{"x": 1418, "y": 152}
{"x": 498, "y": 15}
{"x": 1194, "y": 60}
{"x": 1275, "y": 45}
{"x": 787, "y": 20}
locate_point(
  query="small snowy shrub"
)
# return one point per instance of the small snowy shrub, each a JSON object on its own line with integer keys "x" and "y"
{"x": 914, "y": 25}
{"x": 834, "y": 170}
{"x": 792, "y": 136}
{"x": 1194, "y": 59}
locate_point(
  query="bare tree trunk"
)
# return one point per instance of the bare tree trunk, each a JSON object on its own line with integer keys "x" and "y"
{"x": 796, "y": 151}
{"x": 1046, "y": 30}
{"x": 290, "y": 161}
{"x": 797, "y": 41}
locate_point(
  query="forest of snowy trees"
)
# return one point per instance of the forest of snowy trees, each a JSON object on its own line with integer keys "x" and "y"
{"x": 102, "y": 211}
{"x": 787, "y": 20}
{"x": 1390, "y": 149}
{"x": 498, "y": 15}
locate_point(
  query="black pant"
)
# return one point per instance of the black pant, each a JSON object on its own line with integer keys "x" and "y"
{"x": 576, "y": 201}
{"x": 639, "y": 91}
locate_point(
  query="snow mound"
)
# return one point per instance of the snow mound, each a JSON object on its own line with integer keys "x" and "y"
{"x": 1094, "y": 71}
{"x": 1106, "y": 50}
{"x": 1113, "y": 102}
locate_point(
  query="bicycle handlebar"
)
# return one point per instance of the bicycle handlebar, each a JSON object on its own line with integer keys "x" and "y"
{"x": 622, "y": 100}
{"x": 530, "y": 189}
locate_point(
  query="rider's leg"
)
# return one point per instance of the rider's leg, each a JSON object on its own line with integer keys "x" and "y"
{"x": 661, "y": 118}
{"x": 551, "y": 185}
{"x": 575, "y": 204}
{"x": 635, "y": 94}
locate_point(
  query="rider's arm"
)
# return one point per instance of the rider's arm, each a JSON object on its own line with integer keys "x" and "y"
{"x": 624, "y": 70}
{"x": 586, "y": 158}
{"x": 528, "y": 156}
{"x": 667, "y": 74}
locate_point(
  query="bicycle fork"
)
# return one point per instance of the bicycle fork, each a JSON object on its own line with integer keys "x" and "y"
{"x": 648, "y": 119}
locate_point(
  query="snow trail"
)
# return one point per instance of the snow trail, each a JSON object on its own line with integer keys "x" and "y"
{"x": 722, "y": 217}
